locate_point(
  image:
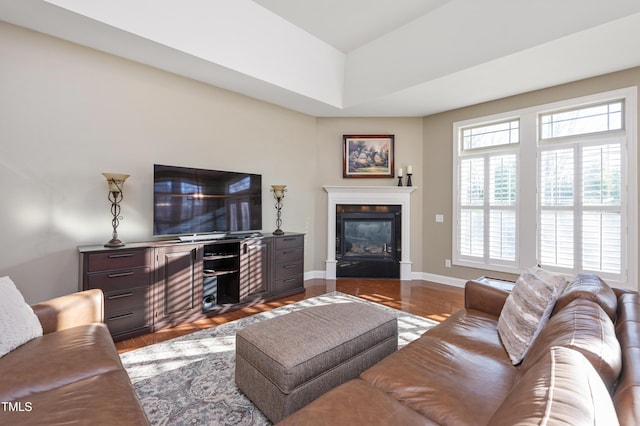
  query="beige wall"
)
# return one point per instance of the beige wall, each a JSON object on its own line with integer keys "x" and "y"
{"x": 438, "y": 153}
{"x": 68, "y": 113}
{"x": 408, "y": 151}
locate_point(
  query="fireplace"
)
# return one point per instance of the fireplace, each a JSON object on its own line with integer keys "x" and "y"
{"x": 370, "y": 195}
{"x": 368, "y": 240}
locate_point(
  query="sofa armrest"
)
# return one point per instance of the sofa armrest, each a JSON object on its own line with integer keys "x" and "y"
{"x": 486, "y": 295}
{"x": 68, "y": 311}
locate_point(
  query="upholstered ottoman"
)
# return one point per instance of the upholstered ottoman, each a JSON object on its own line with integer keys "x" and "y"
{"x": 286, "y": 362}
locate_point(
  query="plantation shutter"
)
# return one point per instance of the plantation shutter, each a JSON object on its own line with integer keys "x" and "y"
{"x": 487, "y": 179}
{"x": 580, "y": 190}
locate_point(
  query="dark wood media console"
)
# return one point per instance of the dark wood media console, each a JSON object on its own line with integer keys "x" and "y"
{"x": 153, "y": 285}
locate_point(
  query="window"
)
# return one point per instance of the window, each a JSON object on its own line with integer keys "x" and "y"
{"x": 552, "y": 185}
{"x": 487, "y": 187}
{"x": 496, "y": 134}
{"x": 580, "y": 121}
{"x": 581, "y": 197}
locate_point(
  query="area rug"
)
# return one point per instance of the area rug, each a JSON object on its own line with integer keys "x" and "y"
{"x": 189, "y": 380}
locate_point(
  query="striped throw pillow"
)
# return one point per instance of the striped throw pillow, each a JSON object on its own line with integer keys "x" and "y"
{"x": 527, "y": 309}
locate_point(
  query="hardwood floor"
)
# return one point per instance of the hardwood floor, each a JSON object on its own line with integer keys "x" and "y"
{"x": 423, "y": 298}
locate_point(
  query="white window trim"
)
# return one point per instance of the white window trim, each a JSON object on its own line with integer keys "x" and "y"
{"x": 527, "y": 254}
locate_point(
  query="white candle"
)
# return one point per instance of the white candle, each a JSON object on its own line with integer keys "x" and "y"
{"x": 400, "y": 172}
{"x": 409, "y": 169}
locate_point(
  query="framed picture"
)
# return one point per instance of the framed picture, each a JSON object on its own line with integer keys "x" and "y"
{"x": 368, "y": 156}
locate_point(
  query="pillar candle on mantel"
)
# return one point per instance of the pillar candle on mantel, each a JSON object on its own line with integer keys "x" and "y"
{"x": 400, "y": 172}
{"x": 409, "y": 170}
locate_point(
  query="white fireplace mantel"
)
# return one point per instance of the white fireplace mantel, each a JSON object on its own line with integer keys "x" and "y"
{"x": 369, "y": 195}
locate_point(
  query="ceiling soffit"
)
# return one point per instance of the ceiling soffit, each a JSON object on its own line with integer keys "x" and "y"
{"x": 461, "y": 51}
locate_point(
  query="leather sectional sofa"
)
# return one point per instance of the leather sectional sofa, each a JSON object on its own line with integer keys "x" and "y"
{"x": 583, "y": 368}
{"x": 70, "y": 375}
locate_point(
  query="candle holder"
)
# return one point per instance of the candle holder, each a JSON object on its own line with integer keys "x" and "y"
{"x": 115, "y": 196}
{"x": 409, "y": 179}
{"x": 278, "y": 194}
{"x": 399, "y": 180}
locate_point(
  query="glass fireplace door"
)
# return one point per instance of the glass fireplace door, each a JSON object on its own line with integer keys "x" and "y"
{"x": 368, "y": 238}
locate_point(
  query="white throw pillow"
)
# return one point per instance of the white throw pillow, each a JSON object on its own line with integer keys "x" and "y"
{"x": 527, "y": 309}
{"x": 18, "y": 323}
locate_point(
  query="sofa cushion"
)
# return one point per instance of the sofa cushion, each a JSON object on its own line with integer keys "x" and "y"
{"x": 561, "y": 388}
{"x": 473, "y": 330}
{"x": 527, "y": 310}
{"x": 445, "y": 383}
{"x": 591, "y": 287}
{"x": 355, "y": 403}
{"x": 18, "y": 323}
{"x": 581, "y": 325}
{"x": 104, "y": 399}
{"x": 57, "y": 359}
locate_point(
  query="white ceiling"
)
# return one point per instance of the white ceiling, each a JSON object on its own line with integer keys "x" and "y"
{"x": 349, "y": 24}
{"x": 355, "y": 57}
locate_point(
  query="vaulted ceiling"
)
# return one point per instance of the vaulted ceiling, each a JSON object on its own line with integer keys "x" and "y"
{"x": 355, "y": 57}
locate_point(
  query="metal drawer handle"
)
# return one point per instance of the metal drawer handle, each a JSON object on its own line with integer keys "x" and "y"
{"x": 288, "y": 280}
{"x": 289, "y": 266}
{"x": 119, "y": 317}
{"x": 116, "y": 256}
{"x": 120, "y": 275}
{"x": 288, "y": 251}
{"x": 120, "y": 296}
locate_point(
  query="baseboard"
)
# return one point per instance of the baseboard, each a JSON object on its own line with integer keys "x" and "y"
{"x": 440, "y": 279}
{"x": 314, "y": 275}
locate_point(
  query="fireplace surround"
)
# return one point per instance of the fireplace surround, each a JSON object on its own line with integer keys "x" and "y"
{"x": 371, "y": 196}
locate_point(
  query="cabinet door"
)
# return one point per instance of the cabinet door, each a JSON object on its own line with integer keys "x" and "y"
{"x": 178, "y": 285}
{"x": 255, "y": 258}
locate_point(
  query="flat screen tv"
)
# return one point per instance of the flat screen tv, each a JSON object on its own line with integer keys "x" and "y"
{"x": 190, "y": 201}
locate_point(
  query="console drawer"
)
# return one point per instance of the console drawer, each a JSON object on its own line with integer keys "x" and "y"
{"x": 289, "y": 283}
{"x": 126, "y": 320}
{"x": 126, "y": 299}
{"x": 289, "y": 255}
{"x": 289, "y": 242}
{"x": 119, "y": 280}
{"x": 117, "y": 260}
{"x": 286, "y": 270}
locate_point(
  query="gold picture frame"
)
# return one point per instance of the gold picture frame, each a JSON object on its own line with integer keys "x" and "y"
{"x": 368, "y": 156}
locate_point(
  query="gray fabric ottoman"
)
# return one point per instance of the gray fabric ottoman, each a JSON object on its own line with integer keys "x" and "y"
{"x": 284, "y": 363}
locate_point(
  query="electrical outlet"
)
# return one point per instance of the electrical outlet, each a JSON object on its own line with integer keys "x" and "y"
{"x": 447, "y": 263}
{"x": 439, "y": 218}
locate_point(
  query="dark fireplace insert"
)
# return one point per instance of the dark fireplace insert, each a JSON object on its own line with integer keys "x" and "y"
{"x": 368, "y": 241}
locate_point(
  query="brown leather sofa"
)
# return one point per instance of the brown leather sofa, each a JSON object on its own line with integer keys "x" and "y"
{"x": 70, "y": 375}
{"x": 583, "y": 368}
